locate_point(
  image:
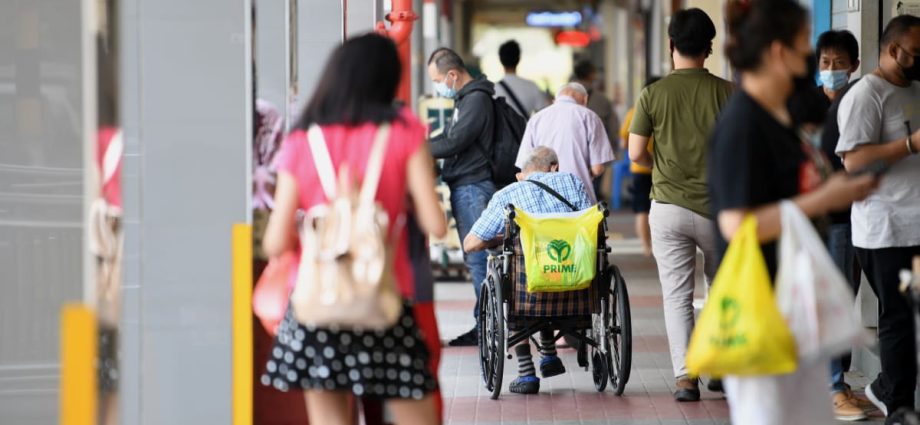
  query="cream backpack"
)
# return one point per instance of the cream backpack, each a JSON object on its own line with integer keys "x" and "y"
{"x": 346, "y": 267}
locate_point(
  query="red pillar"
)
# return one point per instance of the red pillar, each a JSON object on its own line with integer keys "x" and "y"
{"x": 401, "y": 19}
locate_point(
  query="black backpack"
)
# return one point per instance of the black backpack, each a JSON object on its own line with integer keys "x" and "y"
{"x": 507, "y": 134}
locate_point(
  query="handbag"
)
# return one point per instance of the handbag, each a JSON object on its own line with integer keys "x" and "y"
{"x": 812, "y": 293}
{"x": 346, "y": 275}
{"x": 740, "y": 331}
{"x": 270, "y": 296}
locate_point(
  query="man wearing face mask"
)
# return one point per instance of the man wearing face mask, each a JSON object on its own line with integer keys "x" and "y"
{"x": 463, "y": 147}
{"x": 808, "y": 107}
{"x": 838, "y": 59}
{"x": 878, "y": 119}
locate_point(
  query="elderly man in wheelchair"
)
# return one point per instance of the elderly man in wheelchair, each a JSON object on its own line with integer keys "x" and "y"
{"x": 556, "y": 291}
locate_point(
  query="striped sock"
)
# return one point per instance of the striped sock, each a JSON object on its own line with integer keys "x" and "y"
{"x": 525, "y": 360}
{"x": 547, "y": 343}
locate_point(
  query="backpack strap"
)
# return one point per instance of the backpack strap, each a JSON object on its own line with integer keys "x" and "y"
{"x": 514, "y": 98}
{"x": 555, "y": 194}
{"x": 324, "y": 167}
{"x": 326, "y": 170}
{"x": 375, "y": 164}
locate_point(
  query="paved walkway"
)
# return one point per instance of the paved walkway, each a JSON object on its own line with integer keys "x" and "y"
{"x": 571, "y": 398}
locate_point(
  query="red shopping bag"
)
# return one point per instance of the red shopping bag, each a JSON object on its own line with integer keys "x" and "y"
{"x": 271, "y": 294}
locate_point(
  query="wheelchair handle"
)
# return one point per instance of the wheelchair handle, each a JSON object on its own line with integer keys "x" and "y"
{"x": 602, "y": 206}
{"x": 508, "y": 240}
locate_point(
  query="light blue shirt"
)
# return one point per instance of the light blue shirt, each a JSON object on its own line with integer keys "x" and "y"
{"x": 532, "y": 199}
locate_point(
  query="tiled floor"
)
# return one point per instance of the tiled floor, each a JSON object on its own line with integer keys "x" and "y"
{"x": 571, "y": 398}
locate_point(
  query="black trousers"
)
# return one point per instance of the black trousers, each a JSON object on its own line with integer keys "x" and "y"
{"x": 897, "y": 382}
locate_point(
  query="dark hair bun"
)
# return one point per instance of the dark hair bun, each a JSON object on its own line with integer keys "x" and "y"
{"x": 755, "y": 24}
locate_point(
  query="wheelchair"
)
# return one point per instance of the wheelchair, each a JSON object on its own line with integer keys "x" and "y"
{"x": 600, "y": 322}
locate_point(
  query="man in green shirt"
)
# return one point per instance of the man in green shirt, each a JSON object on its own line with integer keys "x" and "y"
{"x": 680, "y": 111}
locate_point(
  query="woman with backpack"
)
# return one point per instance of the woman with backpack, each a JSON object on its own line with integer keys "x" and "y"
{"x": 351, "y": 134}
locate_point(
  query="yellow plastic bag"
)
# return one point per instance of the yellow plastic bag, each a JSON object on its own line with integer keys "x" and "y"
{"x": 560, "y": 251}
{"x": 740, "y": 331}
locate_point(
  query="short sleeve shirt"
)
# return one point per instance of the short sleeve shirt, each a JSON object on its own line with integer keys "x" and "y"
{"x": 352, "y": 144}
{"x": 624, "y": 134}
{"x": 533, "y": 199}
{"x": 526, "y": 92}
{"x": 575, "y": 133}
{"x": 754, "y": 160}
{"x": 680, "y": 111}
{"x": 875, "y": 111}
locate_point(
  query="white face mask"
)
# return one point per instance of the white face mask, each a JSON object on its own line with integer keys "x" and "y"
{"x": 834, "y": 80}
{"x": 441, "y": 88}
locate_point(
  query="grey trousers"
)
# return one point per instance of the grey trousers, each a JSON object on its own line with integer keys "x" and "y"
{"x": 676, "y": 234}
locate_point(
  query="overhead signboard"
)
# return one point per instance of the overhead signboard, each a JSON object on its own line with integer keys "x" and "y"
{"x": 554, "y": 19}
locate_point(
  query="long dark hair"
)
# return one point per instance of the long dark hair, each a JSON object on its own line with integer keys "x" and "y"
{"x": 358, "y": 84}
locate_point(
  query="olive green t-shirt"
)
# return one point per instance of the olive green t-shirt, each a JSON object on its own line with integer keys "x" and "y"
{"x": 680, "y": 111}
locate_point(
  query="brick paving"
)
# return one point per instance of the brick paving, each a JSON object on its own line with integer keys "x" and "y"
{"x": 571, "y": 398}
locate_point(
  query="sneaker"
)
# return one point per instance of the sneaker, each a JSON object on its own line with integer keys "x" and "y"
{"x": 860, "y": 401}
{"x": 551, "y": 366}
{"x": 870, "y": 394}
{"x": 528, "y": 384}
{"x": 715, "y": 385}
{"x": 469, "y": 339}
{"x": 687, "y": 390}
{"x": 845, "y": 409}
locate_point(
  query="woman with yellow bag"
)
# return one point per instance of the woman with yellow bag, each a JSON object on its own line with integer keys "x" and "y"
{"x": 756, "y": 161}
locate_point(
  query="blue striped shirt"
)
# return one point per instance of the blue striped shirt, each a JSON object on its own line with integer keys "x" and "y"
{"x": 532, "y": 199}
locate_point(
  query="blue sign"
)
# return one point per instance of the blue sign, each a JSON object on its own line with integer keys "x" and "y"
{"x": 554, "y": 19}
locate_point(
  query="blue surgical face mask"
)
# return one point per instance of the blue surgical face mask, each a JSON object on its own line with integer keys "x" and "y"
{"x": 441, "y": 88}
{"x": 834, "y": 80}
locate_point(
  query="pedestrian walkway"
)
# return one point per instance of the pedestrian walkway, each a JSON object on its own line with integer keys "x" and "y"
{"x": 571, "y": 398}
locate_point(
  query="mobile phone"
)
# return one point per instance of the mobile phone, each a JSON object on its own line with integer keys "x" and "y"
{"x": 877, "y": 169}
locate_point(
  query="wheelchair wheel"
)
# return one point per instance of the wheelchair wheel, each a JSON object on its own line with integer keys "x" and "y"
{"x": 621, "y": 335}
{"x": 599, "y": 369}
{"x": 491, "y": 336}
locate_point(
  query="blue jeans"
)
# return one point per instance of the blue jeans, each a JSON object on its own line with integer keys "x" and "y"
{"x": 467, "y": 203}
{"x": 840, "y": 245}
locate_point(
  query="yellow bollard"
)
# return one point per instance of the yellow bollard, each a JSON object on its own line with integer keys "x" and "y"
{"x": 78, "y": 365}
{"x": 242, "y": 325}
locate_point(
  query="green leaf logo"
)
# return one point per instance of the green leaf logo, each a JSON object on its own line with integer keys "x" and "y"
{"x": 559, "y": 250}
{"x": 731, "y": 311}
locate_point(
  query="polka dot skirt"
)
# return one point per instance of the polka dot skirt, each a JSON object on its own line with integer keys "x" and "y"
{"x": 390, "y": 363}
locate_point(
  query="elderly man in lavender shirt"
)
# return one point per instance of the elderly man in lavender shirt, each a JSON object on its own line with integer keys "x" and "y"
{"x": 574, "y": 132}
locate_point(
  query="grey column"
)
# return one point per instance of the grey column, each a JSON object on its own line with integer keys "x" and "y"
{"x": 319, "y": 32}
{"x": 272, "y": 53}
{"x": 41, "y": 198}
{"x": 186, "y": 99}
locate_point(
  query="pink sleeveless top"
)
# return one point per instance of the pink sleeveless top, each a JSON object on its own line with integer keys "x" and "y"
{"x": 352, "y": 144}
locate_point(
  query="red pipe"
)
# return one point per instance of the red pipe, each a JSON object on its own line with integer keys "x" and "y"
{"x": 401, "y": 18}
